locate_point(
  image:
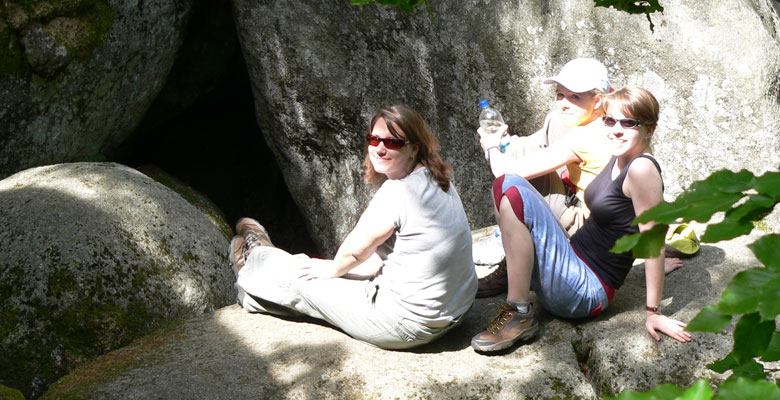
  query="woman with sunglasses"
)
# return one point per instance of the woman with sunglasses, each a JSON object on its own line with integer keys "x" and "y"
{"x": 566, "y": 143}
{"x": 404, "y": 276}
{"x": 577, "y": 278}
{"x": 570, "y": 142}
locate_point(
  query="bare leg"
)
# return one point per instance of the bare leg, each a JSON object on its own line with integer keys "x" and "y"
{"x": 519, "y": 253}
{"x": 515, "y": 320}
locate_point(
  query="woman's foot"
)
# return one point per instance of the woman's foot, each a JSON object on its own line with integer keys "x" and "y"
{"x": 671, "y": 264}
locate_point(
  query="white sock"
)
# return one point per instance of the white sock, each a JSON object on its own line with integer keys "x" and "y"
{"x": 522, "y": 307}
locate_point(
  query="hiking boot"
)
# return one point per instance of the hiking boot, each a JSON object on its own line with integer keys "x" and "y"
{"x": 237, "y": 253}
{"x": 506, "y": 328}
{"x": 494, "y": 283}
{"x": 254, "y": 233}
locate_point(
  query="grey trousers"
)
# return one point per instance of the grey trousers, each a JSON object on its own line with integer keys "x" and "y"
{"x": 361, "y": 308}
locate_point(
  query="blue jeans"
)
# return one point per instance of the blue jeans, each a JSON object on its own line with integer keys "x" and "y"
{"x": 564, "y": 285}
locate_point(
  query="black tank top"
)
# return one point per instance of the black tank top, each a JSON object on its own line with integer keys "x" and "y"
{"x": 611, "y": 214}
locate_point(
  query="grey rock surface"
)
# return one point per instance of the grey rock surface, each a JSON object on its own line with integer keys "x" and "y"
{"x": 76, "y": 77}
{"x": 319, "y": 71}
{"x": 95, "y": 255}
{"x": 231, "y": 354}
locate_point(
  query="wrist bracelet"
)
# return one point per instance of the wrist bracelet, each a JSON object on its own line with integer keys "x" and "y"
{"x": 652, "y": 309}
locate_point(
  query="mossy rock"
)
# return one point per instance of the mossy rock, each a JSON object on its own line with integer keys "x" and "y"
{"x": 96, "y": 255}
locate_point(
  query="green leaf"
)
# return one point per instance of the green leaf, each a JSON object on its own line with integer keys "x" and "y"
{"x": 660, "y": 392}
{"x": 699, "y": 190}
{"x": 724, "y": 365}
{"x": 698, "y": 391}
{"x": 732, "y": 182}
{"x": 772, "y": 352}
{"x": 744, "y": 291}
{"x": 727, "y": 229}
{"x": 741, "y": 388}
{"x": 769, "y": 303}
{"x": 690, "y": 210}
{"x": 644, "y": 244}
{"x": 626, "y": 243}
{"x": 709, "y": 320}
{"x": 751, "y": 337}
{"x": 739, "y": 220}
{"x": 751, "y": 370}
{"x": 769, "y": 184}
{"x": 631, "y": 6}
{"x": 767, "y": 250}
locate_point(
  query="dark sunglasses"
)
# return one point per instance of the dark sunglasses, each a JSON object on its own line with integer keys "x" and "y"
{"x": 391, "y": 142}
{"x": 625, "y": 122}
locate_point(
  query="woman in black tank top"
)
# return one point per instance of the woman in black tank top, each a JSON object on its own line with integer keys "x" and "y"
{"x": 631, "y": 115}
{"x": 538, "y": 255}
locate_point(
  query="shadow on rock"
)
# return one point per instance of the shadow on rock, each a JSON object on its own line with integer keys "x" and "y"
{"x": 95, "y": 256}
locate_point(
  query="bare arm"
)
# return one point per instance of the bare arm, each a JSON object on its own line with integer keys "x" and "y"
{"x": 644, "y": 186}
{"x": 537, "y": 163}
{"x": 373, "y": 229}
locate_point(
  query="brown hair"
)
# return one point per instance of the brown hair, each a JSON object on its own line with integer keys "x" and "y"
{"x": 413, "y": 129}
{"x": 634, "y": 102}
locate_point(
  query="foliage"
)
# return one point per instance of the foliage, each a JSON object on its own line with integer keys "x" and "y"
{"x": 753, "y": 294}
{"x": 645, "y": 7}
{"x": 631, "y": 6}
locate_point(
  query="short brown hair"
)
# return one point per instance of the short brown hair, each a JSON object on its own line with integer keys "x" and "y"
{"x": 634, "y": 102}
{"x": 415, "y": 130}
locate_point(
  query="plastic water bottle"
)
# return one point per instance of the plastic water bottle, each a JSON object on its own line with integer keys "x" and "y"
{"x": 490, "y": 121}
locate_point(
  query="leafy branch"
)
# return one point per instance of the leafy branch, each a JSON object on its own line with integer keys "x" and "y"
{"x": 754, "y": 293}
{"x": 645, "y": 7}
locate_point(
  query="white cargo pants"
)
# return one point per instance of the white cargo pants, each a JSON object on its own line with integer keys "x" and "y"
{"x": 361, "y": 308}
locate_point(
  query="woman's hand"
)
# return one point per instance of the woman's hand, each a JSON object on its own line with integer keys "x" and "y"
{"x": 317, "y": 268}
{"x": 670, "y": 327}
{"x": 488, "y": 140}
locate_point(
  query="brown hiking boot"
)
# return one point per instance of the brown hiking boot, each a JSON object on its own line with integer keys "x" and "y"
{"x": 254, "y": 233}
{"x": 494, "y": 283}
{"x": 506, "y": 328}
{"x": 238, "y": 253}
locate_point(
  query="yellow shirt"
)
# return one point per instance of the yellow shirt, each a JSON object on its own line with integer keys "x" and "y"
{"x": 589, "y": 143}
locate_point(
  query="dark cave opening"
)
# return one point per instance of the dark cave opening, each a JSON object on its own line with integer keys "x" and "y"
{"x": 216, "y": 147}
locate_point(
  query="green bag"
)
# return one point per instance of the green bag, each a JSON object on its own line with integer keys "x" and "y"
{"x": 681, "y": 241}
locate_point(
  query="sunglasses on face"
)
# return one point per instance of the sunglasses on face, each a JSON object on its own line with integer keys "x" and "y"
{"x": 625, "y": 122}
{"x": 390, "y": 143}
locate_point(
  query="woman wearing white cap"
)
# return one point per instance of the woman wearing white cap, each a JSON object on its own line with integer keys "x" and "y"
{"x": 577, "y": 277}
{"x": 579, "y": 90}
{"x": 571, "y": 144}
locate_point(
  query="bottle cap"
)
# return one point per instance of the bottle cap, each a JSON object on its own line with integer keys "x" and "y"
{"x": 483, "y": 103}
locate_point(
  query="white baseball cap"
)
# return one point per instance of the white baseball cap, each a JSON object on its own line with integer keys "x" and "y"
{"x": 581, "y": 75}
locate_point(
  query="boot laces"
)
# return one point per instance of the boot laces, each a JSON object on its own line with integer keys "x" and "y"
{"x": 504, "y": 315}
{"x": 497, "y": 273}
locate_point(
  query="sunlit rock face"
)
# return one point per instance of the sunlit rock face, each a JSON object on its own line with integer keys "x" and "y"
{"x": 320, "y": 70}
{"x": 95, "y": 255}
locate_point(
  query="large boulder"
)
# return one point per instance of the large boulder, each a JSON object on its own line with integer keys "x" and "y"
{"x": 320, "y": 69}
{"x": 233, "y": 354}
{"x": 95, "y": 255}
{"x": 77, "y": 76}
